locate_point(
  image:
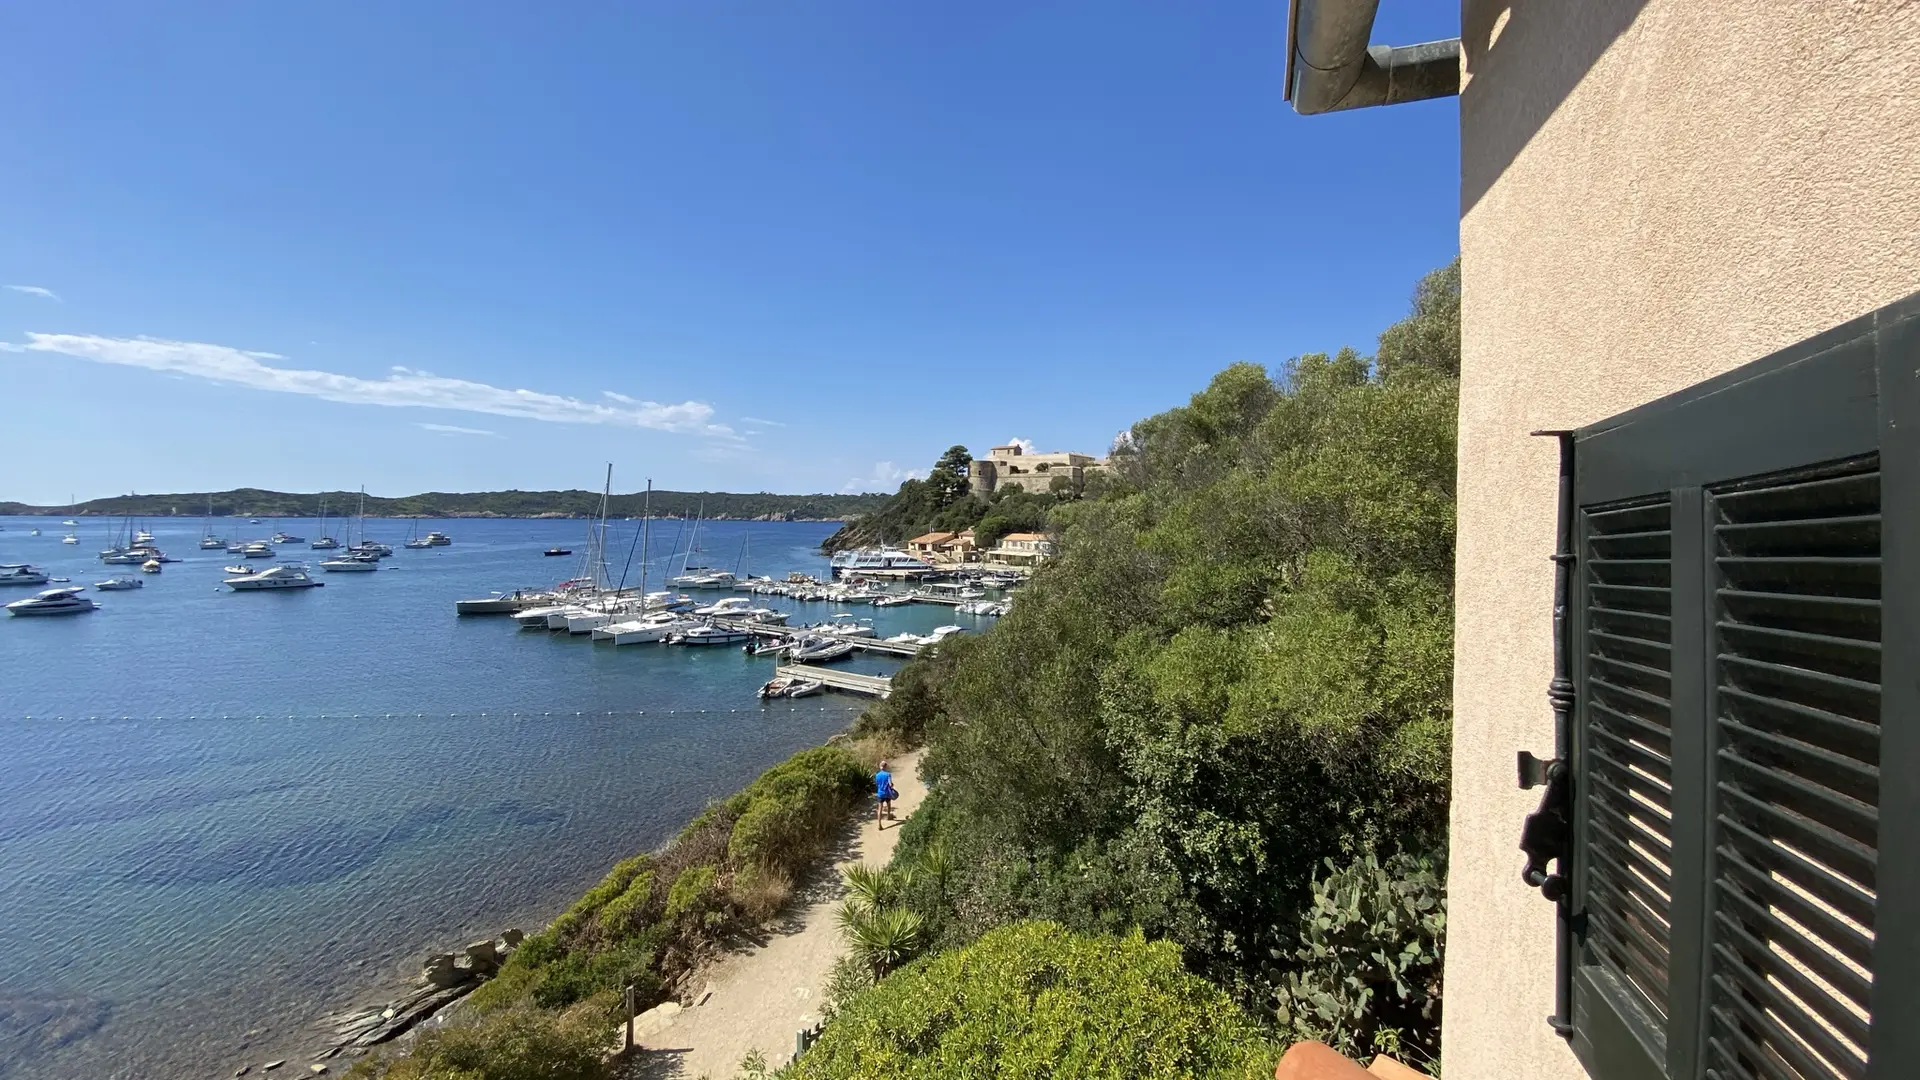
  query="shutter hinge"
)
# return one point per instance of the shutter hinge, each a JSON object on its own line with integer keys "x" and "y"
{"x": 1547, "y": 832}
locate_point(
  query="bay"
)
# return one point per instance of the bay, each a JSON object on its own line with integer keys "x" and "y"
{"x": 223, "y": 814}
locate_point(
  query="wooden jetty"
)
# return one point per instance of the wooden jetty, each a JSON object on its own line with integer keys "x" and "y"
{"x": 871, "y": 685}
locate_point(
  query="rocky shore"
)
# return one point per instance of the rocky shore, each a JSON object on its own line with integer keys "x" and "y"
{"x": 445, "y": 979}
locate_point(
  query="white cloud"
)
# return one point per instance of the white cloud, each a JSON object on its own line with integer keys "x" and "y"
{"x": 402, "y": 388}
{"x": 761, "y": 423}
{"x": 1025, "y": 445}
{"x": 621, "y": 398}
{"x": 35, "y": 290}
{"x": 455, "y": 429}
{"x": 886, "y": 477}
{"x": 8, "y": 346}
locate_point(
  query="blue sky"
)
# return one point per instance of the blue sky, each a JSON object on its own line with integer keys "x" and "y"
{"x": 782, "y": 247}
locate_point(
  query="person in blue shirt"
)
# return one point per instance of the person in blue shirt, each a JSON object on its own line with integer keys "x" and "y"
{"x": 884, "y": 793}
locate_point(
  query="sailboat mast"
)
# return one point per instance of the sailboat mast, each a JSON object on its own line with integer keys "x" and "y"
{"x": 646, "y": 539}
{"x": 600, "y": 551}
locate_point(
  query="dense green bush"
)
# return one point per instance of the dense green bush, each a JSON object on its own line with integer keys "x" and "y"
{"x": 1032, "y": 1000}
{"x": 1365, "y": 977}
{"x": 520, "y": 1044}
{"x": 788, "y": 815}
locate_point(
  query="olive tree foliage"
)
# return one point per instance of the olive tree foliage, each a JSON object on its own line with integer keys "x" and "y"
{"x": 1238, "y": 667}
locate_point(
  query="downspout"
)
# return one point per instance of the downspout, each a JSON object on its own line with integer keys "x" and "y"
{"x": 1331, "y": 66}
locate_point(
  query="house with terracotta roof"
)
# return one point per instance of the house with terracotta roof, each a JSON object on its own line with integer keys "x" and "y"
{"x": 1022, "y": 549}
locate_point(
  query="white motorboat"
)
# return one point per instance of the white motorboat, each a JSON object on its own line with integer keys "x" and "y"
{"x": 143, "y": 538}
{"x": 288, "y": 538}
{"x": 691, "y": 577}
{"x": 113, "y": 584}
{"x": 259, "y": 549}
{"x": 151, "y": 566}
{"x": 820, "y": 651}
{"x": 651, "y": 629}
{"x": 846, "y": 626}
{"x": 943, "y": 632}
{"x": 536, "y": 618}
{"x": 62, "y": 601}
{"x": 350, "y": 564}
{"x": 588, "y": 619}
{"x": 21, "y": 574}
{"x": 70, "y": 523}
{"x": 710, "y": 635}
{"x": 894, "y": 601}
{"x": 70, "y": 539}
{"x": 238, "y": 569}
{"x": 766, "y": 616}
{"x": 774, "y": 688}
{"x": 438, "y": 539}
{"x": 731, "y": 606}
{"x": 283, "y": 576}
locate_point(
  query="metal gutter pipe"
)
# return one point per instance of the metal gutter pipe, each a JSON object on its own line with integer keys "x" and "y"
{"x": 1330, "y": 66}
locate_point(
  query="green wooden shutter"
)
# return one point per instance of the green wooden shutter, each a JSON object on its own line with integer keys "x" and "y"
{"x": 1744, "y": 742}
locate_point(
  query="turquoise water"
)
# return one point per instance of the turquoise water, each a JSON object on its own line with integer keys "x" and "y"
{"x": 228, "y": 813}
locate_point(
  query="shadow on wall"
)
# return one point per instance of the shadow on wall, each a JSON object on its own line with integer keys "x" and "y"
{"x": 1547, "y": 46}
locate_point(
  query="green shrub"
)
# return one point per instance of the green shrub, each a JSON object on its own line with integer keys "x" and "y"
{"x": 521, "y": 1044}
{"x": 580, "y": 975}
{"x": 1365, "y": 977}
{"x": 623, "y": 912}
{"x": 693, "y": 893}
{"x": 1033, "y": 1000}
{"x": 788, "y": 815}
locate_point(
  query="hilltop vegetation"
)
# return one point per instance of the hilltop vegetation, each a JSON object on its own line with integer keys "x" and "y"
{"x": 255, "y": 502}
{"x": 1221, "y": 716}
{"x": 942, "y": 503}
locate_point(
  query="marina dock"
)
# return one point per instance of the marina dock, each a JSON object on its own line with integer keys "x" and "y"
{"x": 871, "y": 685}
{"x": 787, "y": 633}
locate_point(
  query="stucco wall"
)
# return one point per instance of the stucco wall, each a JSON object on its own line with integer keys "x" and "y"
{"x": 1652, "y": 193}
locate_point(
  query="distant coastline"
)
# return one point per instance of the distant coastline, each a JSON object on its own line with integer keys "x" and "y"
{"x": 261, "y": 503}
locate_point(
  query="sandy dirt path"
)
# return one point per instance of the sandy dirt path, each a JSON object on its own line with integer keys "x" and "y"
{"x": 762, "y": 996}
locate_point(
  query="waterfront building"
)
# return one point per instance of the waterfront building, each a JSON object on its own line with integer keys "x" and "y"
{"x": 1690, "y": 347}
{"x": 945, "y": 548}
{"x": 1020, "y": 550}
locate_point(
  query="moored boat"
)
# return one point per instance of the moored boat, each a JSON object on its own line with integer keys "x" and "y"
{"x": 114, "y": 584}
{"x": 282, "y": 576}
{"x": 62, "y": 601}
{"x": 21, "y": 574}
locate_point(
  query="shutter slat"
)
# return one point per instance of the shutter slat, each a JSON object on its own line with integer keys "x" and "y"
{"x": 1811, "y": 801}
{"x": 1796, "y": 669}
{"x": 1627, "y": 570}
{"x": 1842, "y": 894}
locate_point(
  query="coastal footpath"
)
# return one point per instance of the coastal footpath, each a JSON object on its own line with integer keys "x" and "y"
{"x": 757, "y": 999}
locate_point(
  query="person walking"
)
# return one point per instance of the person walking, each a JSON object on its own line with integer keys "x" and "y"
{"x": 884, "y": 793}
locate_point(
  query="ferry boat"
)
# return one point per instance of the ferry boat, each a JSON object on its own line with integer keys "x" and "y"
{"x": 864, "y": 560}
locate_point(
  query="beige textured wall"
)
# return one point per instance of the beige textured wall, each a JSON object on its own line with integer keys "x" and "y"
{"x": 1652, "y": 193}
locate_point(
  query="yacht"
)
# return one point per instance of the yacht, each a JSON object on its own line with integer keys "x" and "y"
{"x": 151, "y": 566}
{"x": 691, "y": 577}
{"x": 325, "y": 543}
{"x": 211, "y": 543}
{"x": 767, "y": 616}
{"x": 70, "y": 539}
{"x": 21, "y": 574}
{"x": 656, "y": 627}
{"x": 62, "y": 601}
{"x": 438, "y": 539}
{"x": 235, "y": 547}
{"x": 143, "y": 538}
{"x": 259, "y": 549}
{"x": 710, "y": 635}
{"x": 595, "y": 616}
{"x": 379, "y": 550}
{"x": 715, "y": 579}
{"x": 283, "y": 576}
{"x": 351, "y": 564}
{"x": 70, "y": 523}
{"x": 288, "y": 538}
{"x": 116, "y": 583}
{"x": 731, "y": 606}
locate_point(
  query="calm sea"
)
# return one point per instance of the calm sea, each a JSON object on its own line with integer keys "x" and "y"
{"x": 223, "y": 814}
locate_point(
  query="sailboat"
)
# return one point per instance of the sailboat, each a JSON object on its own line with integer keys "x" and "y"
{"x": 208, "y": 541}
{"x": 71, "y": 504}
{"x": 358, "y": 558}
{"x": 698, "y": 577}
{"x": 325, "y": 543}
{"x": 414, "y": 539}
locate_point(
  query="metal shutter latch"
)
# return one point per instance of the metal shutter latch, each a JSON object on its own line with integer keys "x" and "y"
{"x": 1546, "y": 833}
